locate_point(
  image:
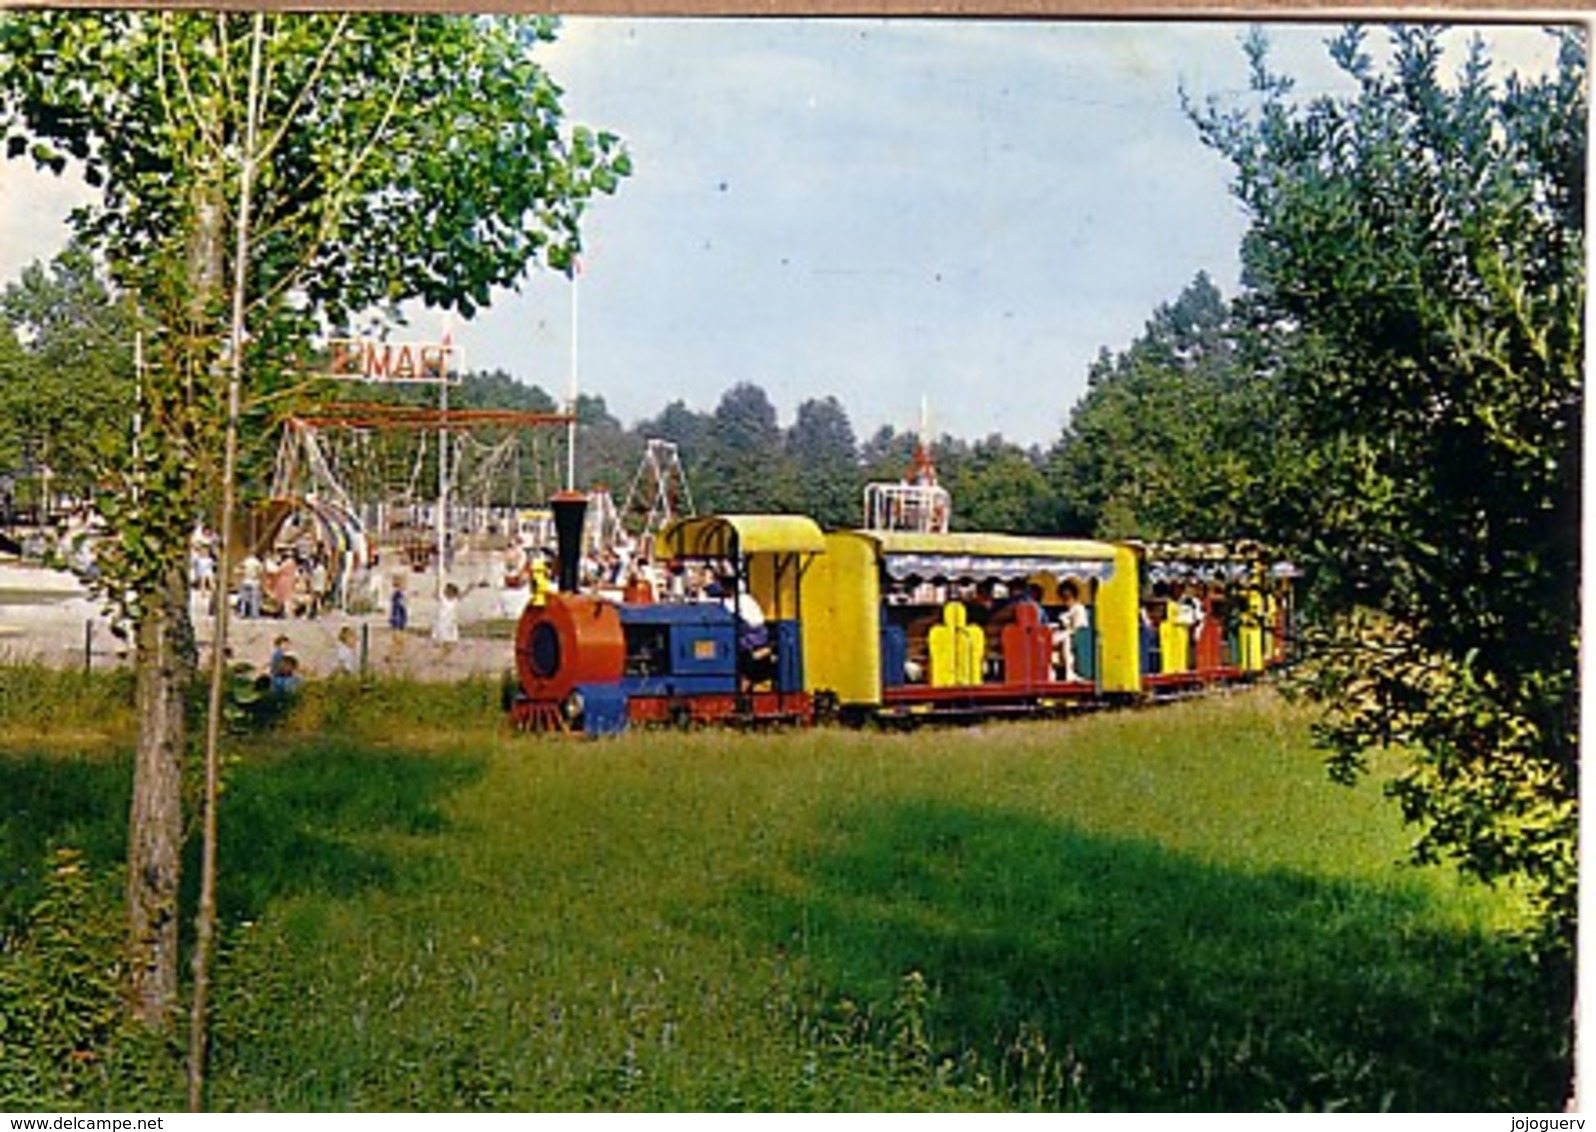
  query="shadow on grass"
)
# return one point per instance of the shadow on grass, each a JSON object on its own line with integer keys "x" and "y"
{"x": 325, "y": 817}
{"x": 1132, "y": 978}
{"x": 330, "y": 818}
{"x": 54, "y": 800}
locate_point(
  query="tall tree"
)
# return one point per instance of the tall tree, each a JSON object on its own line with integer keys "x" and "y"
{"x": 743, "y": 468}
{"x": 496, "y": 389}
{"x": 398, "y": 158}
{"x": 821, "y": 446}
{"x": 1415, "y": 263}
{"x": 1172, "y": 439}
{"x": 997, "y": 486}
{"x": 72, "y": 401}
{"x": 687, "y": 429}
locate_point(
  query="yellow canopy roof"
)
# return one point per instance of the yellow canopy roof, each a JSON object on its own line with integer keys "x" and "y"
{"x": 721, "y": 536}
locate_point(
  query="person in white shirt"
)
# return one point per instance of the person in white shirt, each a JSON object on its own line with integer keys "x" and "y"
{"x": 1072, "y": 617}
{"x": 344, "y": 660}
{"x": 446, "y": 626}
{"x": 249, "y": 585}
{"x": 753, "y": 636}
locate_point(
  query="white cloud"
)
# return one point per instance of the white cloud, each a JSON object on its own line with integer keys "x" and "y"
{"x": 33, "y": 213}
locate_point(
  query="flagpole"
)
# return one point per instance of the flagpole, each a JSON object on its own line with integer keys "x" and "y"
{"x": 443, "y": 455}
{"x": 570, "y": 398}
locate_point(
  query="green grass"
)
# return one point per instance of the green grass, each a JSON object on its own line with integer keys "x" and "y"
{"x": 1152, "y": 910}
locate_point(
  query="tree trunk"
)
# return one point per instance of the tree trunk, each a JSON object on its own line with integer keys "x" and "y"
{"x": 164, "y": 667}
{"x": 165, "y": 663}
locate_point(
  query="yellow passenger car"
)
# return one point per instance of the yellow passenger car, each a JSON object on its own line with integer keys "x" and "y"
{"x": 909, "y": 622}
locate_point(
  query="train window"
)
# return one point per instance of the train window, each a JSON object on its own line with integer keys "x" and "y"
{"x": 648, "y": 650}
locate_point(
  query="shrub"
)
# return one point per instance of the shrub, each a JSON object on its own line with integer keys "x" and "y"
{"x": 64, "y": 1038}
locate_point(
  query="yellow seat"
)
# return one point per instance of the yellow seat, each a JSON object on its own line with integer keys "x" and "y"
{"x": 1174, "y": 640}
{"x": 957, "y": 649}
{"x": 1251, "y": 634}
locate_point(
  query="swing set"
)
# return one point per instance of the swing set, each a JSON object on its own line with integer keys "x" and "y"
{"x": 378, "y": 465}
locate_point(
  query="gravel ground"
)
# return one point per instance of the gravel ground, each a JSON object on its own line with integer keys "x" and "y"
{"x": 48, "y": 617}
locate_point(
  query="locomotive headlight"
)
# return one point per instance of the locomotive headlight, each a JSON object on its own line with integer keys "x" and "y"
{"x": 574, "y": 706}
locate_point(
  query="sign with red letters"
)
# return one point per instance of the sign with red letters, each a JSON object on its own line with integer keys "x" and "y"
{"x": 370, "y": 359}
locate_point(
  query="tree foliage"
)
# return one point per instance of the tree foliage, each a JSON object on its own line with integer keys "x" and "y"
{"x": 1415, "y": 274}
{"x": 397, "y": 158}
{"x": 1176, "y": 437}
{"x": 743, "y": 466}
{"x": 404, "y": 158}
{"x": 66, "y": 372}
{"x": 821, "y": 447}
{"x": 996, "y": 486}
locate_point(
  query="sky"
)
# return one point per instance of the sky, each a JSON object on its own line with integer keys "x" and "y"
{"x": 911, "y": 215}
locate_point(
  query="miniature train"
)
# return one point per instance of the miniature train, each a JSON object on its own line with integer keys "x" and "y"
{"x": 790, "y": 624}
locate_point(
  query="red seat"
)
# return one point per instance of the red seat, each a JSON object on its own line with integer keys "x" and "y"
{"x": 1027, "y": 647}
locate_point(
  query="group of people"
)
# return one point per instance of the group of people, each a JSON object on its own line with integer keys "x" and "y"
{"x": 529, "y": 575}
{"x": 283, "y": 668}
{"x": 610, "y": 565}
{"x": 1070, "y": 618}
{"x": 991, "y": 605}
{"x": 445, "y": 622}
{"x": 284, "y": 675}
{"x": 288, "y": 585}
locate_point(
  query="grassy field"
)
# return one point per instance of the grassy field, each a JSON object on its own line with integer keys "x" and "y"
{"x": 1154, "y": 910}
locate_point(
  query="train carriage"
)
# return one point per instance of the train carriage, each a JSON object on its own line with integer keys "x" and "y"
{"x": 967, "y": 624}
{"x": 1211, "y": 613}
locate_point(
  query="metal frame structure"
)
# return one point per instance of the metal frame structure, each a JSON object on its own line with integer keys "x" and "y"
{"x": 661, "y": 482}
{"x": 440, "y": 419}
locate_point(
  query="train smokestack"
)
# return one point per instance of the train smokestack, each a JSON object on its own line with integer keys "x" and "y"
{"x": 570, "y": 508}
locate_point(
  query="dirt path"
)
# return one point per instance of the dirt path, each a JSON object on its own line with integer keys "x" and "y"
{"x": 46, "y": 616}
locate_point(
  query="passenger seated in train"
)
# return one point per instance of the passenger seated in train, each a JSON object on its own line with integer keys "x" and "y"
{"x": 1004, "y": 600}
{"x": 1190, "y": 610}
{"x": 983, "y": 600}
{"x": 1071, "y": 616}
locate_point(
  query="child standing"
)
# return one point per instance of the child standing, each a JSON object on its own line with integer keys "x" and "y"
{"x": 398, "y": 612}
{"x": 446, "y": 628}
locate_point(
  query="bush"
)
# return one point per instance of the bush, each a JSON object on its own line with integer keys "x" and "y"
{"x": 64, "y": 1038}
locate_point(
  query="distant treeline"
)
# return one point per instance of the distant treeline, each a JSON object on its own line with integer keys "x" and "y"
{"x": 1148, "y": 451}
{"x": 1139, "y": 455}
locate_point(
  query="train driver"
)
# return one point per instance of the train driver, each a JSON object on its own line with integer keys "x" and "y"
{"x": 753, "y": 635}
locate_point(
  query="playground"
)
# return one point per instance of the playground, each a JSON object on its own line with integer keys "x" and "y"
{"x": 359, "y": 496}
{"x": 50, "y": 617}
